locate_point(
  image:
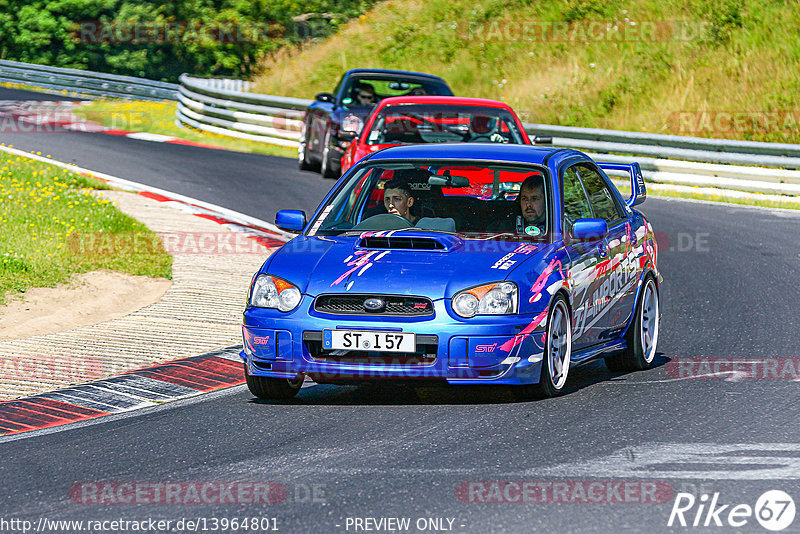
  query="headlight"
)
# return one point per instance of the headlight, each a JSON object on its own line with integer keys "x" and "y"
{"x": 273, "y": 292}
{"x": 500, "y": 298}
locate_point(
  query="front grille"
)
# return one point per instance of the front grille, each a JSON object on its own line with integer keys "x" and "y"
{"x": 394, "y": 305}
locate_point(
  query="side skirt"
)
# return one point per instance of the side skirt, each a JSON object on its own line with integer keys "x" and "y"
{"x": 597, "y": 351}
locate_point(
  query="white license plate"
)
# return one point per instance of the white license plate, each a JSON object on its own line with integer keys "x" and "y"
{"x": 366, "y": 340}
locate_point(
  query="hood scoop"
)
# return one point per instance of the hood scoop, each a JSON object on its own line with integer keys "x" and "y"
{"x": 409, "y": 241}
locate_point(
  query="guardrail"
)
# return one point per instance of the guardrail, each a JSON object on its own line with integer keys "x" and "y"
{"x": 672, "y": 146}
{"x": 270, "y": 119}
{"x": 223, "y": 106}
{"x": 86, "y": 82}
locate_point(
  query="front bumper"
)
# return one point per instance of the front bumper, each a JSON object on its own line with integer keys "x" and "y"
{"x": 484, "y": 349}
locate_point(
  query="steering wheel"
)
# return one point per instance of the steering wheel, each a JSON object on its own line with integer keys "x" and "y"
{"x": 384, "y": 221}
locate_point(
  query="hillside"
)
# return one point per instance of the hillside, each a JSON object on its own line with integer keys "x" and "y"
{"x": 711, "y": 68}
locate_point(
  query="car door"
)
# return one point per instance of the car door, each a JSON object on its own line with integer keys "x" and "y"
{"x": 617, "y": 292}
{"x": 587, "y": 260}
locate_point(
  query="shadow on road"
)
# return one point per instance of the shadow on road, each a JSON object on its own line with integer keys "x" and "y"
{"x": 391, "y": 393}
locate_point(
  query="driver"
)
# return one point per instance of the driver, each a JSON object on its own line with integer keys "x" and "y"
{"x": 366, "y": 94}
{"x": 484, "y": 128}
{"x": 531, "y": 201}
{"x": 398, "y": 199}
{"x": 531, "y": 204}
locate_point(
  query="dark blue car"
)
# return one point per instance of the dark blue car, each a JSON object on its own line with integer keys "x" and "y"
{"x": 458, "y": 263}
{"x": 333, "y": 119}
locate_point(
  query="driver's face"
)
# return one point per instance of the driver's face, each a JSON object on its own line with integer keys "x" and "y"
{"x": 397, "y": 202}
{"x": 531, "y": 200}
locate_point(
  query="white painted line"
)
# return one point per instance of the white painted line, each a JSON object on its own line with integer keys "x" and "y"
{"x": 145, "y": 136}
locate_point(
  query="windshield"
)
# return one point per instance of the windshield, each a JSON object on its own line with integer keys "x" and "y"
{"x": 467, "y": 198}
{"x": 428, "y": 123}
{"x": 367, "y": 92}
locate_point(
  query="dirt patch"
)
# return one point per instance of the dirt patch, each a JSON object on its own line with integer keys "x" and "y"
{"x": 89, "y": 298}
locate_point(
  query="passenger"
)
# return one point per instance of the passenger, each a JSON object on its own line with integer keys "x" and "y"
{"x": 398, "y": 199}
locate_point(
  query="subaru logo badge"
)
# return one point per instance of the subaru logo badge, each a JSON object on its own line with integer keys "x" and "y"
{"x": 374, "y": 304}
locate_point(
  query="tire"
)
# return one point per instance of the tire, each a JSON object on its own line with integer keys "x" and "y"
{"x": 303, "y": 163}
{"x": 265, "y": 387}
{"x": 557, "y": 354}
{"x": 327, "y": 169}
{"x": 642, "y": 336}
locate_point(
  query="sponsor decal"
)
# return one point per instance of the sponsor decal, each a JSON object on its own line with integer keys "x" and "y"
{"x": 532, "y": 230}
{"x": 619, "y": 277}
{"x": 506, "y": 262}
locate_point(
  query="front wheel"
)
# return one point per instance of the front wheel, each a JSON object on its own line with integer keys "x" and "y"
{"x": 328, "y": 168}
{"x": 557, "y": 354}
{"x": 265, "y": 387}
{"x": 642, "y": 335}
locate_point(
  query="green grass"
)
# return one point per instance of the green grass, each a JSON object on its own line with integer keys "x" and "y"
{"x": 52, "y": 226}
{"x": 159, "y": 118}
{"x": 723, "y": 56}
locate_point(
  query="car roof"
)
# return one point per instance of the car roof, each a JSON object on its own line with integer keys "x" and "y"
{"x": 398, "y": 73}
{"x": 474, "y": 151}
{"x": 439, "y": 100}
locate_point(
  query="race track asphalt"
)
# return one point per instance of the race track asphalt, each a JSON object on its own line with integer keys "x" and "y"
{"x": 730, "y": 292}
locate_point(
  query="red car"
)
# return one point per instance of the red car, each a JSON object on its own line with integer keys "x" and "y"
{"x": 430, "y": 119}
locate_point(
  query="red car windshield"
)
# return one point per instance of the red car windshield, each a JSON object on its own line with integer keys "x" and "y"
{"x": 430, "y": 123}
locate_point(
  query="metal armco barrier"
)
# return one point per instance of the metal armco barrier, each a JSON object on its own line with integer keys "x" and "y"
{"x": 223, "y": 106}
{"x": 86, "y": 82}
{"x": 270, "y": 119}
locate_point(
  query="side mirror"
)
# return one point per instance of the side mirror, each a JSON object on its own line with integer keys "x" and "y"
{"x": 346, "y": 135}
{"x": 589, "y": 229}
{"x": 542, "y": 140}
{"x": 324, "y": 97}
{"x": 291, "y": 220}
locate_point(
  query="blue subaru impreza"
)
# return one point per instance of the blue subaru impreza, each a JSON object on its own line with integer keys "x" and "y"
{"x": 459, "y": 263}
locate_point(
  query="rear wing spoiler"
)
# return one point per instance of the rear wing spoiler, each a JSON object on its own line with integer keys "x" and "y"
{"x": 638, "y": 189}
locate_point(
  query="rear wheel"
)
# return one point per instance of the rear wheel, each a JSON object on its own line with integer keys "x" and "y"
{"x": 557, "y": 354}
{"x": 265, "y": 387}
{"x": 642, "y": 336}
{"x": 328, "y": 169}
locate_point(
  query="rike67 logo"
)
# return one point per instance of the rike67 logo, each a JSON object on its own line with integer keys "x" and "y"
{"x": 774, "y": 510}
